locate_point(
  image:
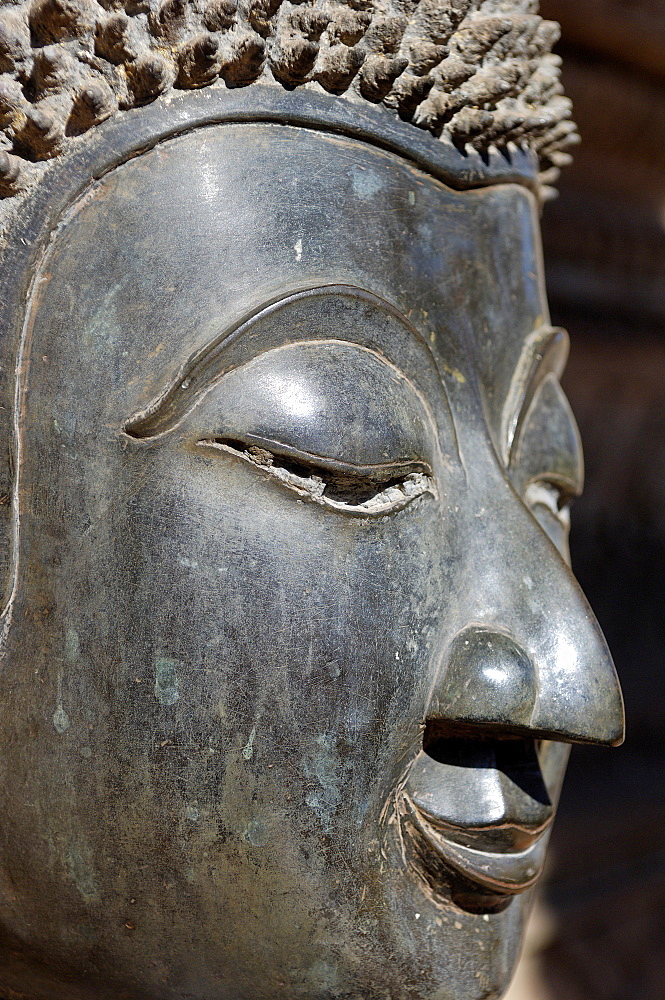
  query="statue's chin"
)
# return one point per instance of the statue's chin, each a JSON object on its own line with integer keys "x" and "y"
{"x": 382, "y": 931}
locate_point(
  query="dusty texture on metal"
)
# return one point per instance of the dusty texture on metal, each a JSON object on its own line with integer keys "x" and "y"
{"x": 291, "y": 650}
{"x": 476, "y": 72}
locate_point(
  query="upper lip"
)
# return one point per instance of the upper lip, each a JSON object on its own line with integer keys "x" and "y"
{"x": 482, "y": 808}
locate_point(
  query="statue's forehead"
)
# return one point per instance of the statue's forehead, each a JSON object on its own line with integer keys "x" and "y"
{"x": 183, "y": 242}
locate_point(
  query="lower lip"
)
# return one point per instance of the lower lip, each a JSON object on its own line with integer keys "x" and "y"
{"x": 504, "y": 874}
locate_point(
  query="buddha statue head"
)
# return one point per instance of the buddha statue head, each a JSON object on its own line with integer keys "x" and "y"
{"x": 292, "y": 656}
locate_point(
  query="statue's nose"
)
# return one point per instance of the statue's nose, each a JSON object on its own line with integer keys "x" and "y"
{"x": 490, "y": 680}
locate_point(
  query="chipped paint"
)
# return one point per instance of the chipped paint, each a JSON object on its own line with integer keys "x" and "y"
{"x": 321, "y": 764}
{"x": 256, "y": 833}
{"x": 187, "y": 563}
{"x": 78, "y": 861}
{"x": 72, "y": 645}
{"x": 167, "y": 687}
{"x": 61, "y": 720}
{"x": 248, "y": 749}
{"x": 365, "y": 183}
{"x": 455, "y": 372}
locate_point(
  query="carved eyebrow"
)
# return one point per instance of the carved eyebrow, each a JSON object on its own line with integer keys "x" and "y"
{"x": 545, "y": 353}
{"x": 209, "y": 364}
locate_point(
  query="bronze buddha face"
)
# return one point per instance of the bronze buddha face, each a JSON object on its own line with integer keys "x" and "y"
{"x": 293, "y": 654}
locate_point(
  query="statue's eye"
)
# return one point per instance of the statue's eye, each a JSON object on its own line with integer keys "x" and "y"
{"x": 334, "y": 423}
{"x": 549, "y": 502}
{"x": 353, "y": 490}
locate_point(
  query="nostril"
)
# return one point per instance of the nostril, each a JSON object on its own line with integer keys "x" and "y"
{"x": 462, "y": 753}
{"x": 458, "y": 751}
{"x": 462, "y": 747}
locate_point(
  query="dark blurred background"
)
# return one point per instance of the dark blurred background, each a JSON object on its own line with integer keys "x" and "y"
{"x": 599, "y": 932}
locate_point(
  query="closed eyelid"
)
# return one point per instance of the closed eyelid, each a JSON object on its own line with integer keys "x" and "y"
{"x": 333, "y": 403}
{"x": 286, "y": 451}
{"x": 331, "y": 312}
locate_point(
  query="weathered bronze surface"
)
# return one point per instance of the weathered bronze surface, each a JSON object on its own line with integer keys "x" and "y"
{"x": 292, "y": 655}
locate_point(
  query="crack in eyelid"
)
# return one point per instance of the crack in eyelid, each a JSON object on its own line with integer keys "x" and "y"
{"x": 350, "y": 493}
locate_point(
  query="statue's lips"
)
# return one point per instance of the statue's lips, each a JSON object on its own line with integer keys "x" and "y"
{"x": 505, "y": 873}
{"x": 484, "y": 811}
